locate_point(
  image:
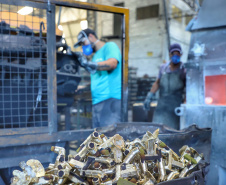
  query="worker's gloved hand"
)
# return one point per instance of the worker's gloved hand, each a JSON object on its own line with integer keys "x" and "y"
{"x": 91, "y": 67}
{"x": 148, "y": 100}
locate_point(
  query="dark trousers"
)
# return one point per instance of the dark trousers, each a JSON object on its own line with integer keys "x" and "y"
{"x": 106, "y": 113}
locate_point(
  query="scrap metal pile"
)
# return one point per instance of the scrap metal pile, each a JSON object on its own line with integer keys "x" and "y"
{"x": 103, "y": 160}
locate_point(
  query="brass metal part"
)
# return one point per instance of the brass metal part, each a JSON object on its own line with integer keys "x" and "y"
{"x": 96, "y": 181}
{"x": 36, "y": 167}
{"x": 174, "y": 155}
{"x": 64, "y": 165}
{"x": 177, "y": 164}
{"x": 106, "y": 160}
{"x": 92, "y": 148}
{"x": 64, "y": 173}
{"x": 131, "y": 155}
{"x": 43, "y": 181}
{"x": 184, "y": 172}
{"x": 19, "y": 178}
{"x": 136, "y": 141}
{"x": 162, "y": 171}
{"x": 119, "y": 141}
{"x": 199, "y": 157}
{"x": 92, "y": 173}
{"x": 138, "y": 168}
{"x": 97, "y": 165}
{"x": 129, "y": 171}
{"x": 27, "y": 169}
{"x": 144, "y": 167}
{"x": 170, "y": 160}
{"x": 109, "y": 171}
{"x": 76, "y": 164}
{"x": 128, "y": 148}
{"x": 61, "y": 181}
{"x": 58, "y": 150}
{"x": 117, "y": 173}
{"x": 59, "y": 159}
{"x": 70, "y": 156}
{"x": 94, "y": 136}
{"x": 149, "y": 135}
{"x": 81, "y": 154}
{"x": 151, "y": 146}
{"x": 118, "y": 155}
{"x": 53, "y": 171}
{"x": 107, "y": 144}
{"x": 76, "y": 178}
{"x": 173, "y": 175}
{"x": 107, "y": 183}
{"x": 183, "y": 151}
{"x": 51, "y": 166}
{"x": 149, "y": 182}
{"x": 150, "y": 177}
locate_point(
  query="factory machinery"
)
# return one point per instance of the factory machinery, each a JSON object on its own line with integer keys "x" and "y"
{"x": 206, "y": 82}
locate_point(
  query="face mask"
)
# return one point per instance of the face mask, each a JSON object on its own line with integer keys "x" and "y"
{"x": 87, "y": 49}
{"x": 175, "y": 59}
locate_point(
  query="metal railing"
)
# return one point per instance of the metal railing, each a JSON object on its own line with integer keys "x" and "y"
{"x": 23, "y": 68}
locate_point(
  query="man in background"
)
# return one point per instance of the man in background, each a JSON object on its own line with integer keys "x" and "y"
{"x": 105, "y": 70}
{"x": 171, "y": 83}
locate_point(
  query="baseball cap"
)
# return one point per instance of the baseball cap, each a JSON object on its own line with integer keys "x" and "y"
{"x": 83, "y": 35}
{"x": 175, "y": 47}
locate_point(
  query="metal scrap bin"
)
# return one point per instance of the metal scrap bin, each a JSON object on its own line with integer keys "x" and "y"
{"x": 193, "y": 136}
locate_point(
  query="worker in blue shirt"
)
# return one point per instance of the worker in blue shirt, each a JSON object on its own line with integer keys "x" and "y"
{"x": 105, "y": 70}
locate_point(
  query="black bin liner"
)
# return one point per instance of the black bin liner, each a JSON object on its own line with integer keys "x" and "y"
{"x": 193, "y": 136}
{"x": 195, "y": 178}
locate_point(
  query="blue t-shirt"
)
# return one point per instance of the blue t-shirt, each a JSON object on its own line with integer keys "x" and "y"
{"x": 106, "y": 84}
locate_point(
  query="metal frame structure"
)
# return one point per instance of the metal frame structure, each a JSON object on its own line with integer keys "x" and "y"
{"x": 24, "y": 130}
{"x": 29, "y": 137}
{"x": 207, "y": 32}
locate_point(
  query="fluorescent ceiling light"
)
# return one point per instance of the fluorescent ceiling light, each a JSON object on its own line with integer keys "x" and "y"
{"x": 84, "y": 24}
{"x": 25, "y": 10}
{"x": 60, "y": 27}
